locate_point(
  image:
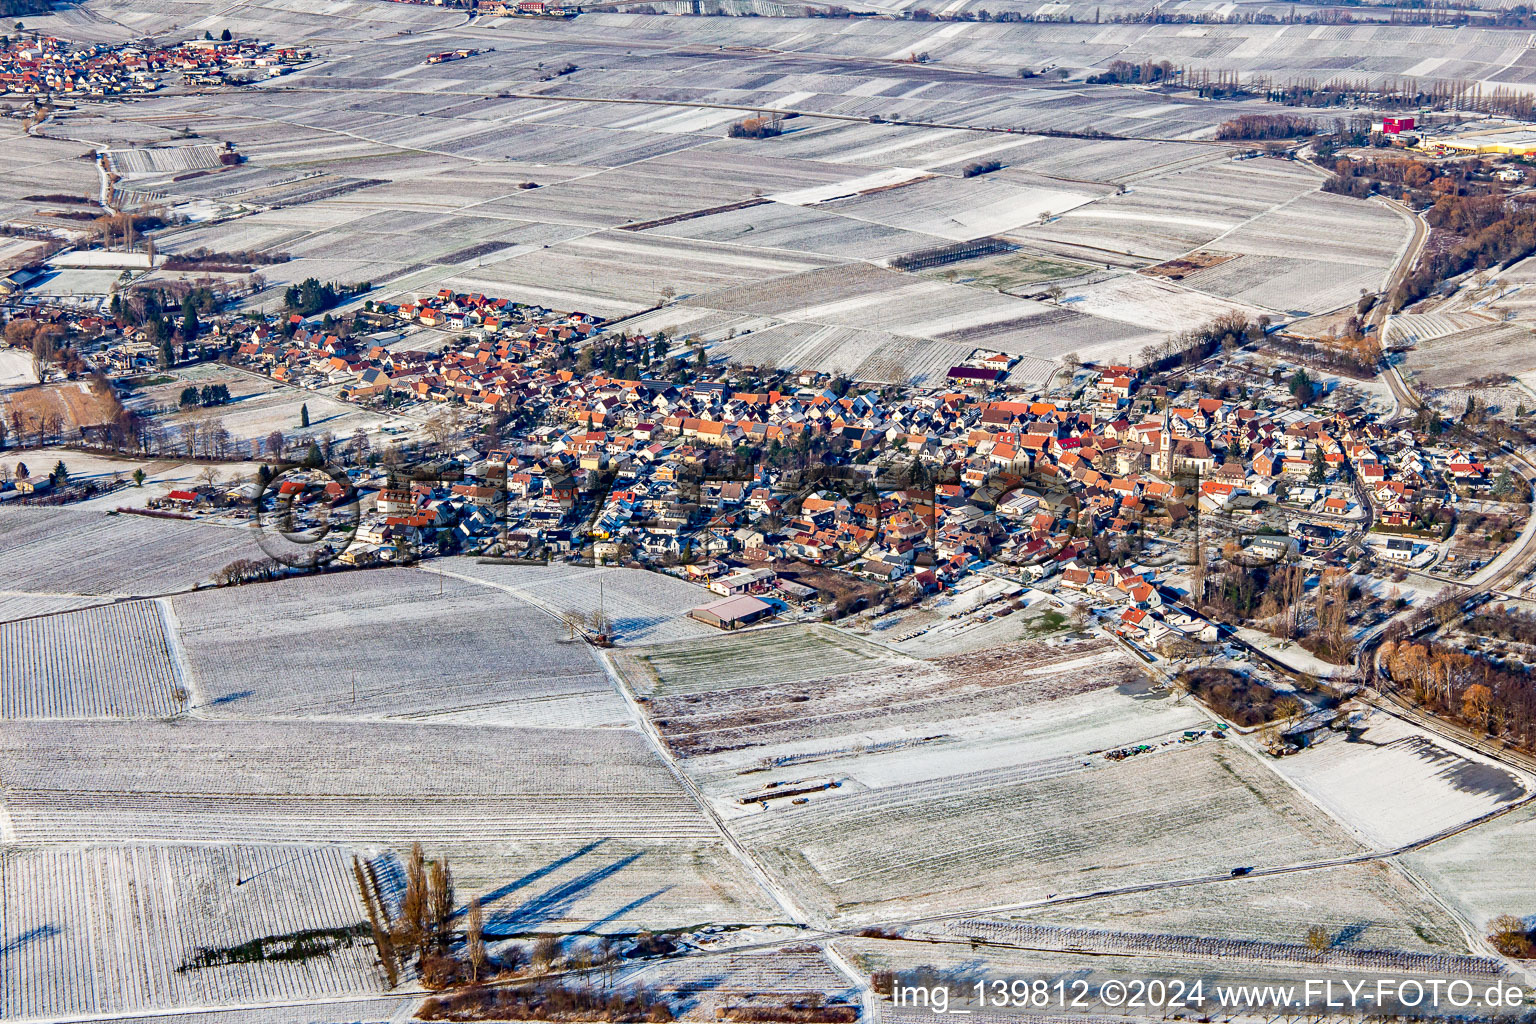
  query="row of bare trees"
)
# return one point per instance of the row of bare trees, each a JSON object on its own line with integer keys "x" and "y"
{"x": 422, "y": 926}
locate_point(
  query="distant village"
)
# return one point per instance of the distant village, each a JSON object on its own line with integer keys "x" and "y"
{"x": 35, "y": 65}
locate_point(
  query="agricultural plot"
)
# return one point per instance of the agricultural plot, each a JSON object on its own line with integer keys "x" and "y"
{"x": 16, "y": 368}
{"x": 1369, "y": 906}
{"x": 111, "y": 662}
{"x": 607, "y": 885}
{"x": 806, "y": 229}
{"x": 67, "y": 551}
{"x": 392, "y": 643}
{"x": 1393, "y": 784}
{"x": 1012, "y": 272}
{"x": 1418, "y": 328}
{"x": 1478, "y": 361}
{"x": 1166, "y": 215}
{"x": 1167, "y": 958}
{"x": 705, "y": 987}
{"x": 786, "y": 655}
{"x": 1486, "y": 871}
{"x": 641, "y": 606}
{"x": 100, "y": 930}
{"x": 894, "y": 701}
{"x": 1315, "y": 253}
{"x": 1042, "y": 738}
{"x": 336, "y": 783}
{"x": 960, "y": 208}
{"x": 1049, "y": 828}
{"x": 18, "y": 604}
{"x": 1150, "y": 304}
{"x": 77, "y": 404}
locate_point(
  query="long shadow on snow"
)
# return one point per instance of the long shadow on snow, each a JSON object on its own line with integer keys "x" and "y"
{"x": 556, "y": 901}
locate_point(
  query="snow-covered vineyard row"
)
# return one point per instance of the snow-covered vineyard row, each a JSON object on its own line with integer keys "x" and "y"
{"x": 112, "y": 662}
{"x": 114, "y": 929}
{"x": 335, "y": 782}
{"x": 62, "y": 817}
{"x": 1445, "y": 965}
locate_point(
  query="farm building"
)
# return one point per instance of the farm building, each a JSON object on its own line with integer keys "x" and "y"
{"x": 742, "y": 581}
{"x": 732, "y": 612}
{"x": 1505, "y": 141}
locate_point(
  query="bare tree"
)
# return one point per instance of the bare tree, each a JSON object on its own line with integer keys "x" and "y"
{"x": 474, "y": 940}
{"x": 440, "y": 903}
{"x": 377, "y": 924}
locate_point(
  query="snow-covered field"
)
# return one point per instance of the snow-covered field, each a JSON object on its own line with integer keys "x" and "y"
{"x": 1393, "y": 783}
{"x": 353, "y": 782}
{"x": 643, "y": 607}
{"x": 394, "y": 643}
{"x": 783, "y": 655}
{"x": 607, "y": 885}
{"x": 112, "y": 662}
{"x": 16, "y": 368}
{"x": 1011, "y": 835}
{"x": 1486, "y": 871}
{"x": 71, "y": 551}
{"x": 1371, "y": 906}
{"x": 109, "y": 929}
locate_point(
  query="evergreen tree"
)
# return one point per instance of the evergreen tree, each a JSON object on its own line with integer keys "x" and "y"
{"x": 304, "y": 415}
{"x": 189, "y": 322}
{"x": 312, "y": 458}
{"x": 60, "y": 475}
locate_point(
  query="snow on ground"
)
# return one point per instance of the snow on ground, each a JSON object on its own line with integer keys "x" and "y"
{"x": 896, "y": 757}
{"x": 1488, "y": 870}
{"x": 1393, "y": 783}
{"x": 16, "y": 368}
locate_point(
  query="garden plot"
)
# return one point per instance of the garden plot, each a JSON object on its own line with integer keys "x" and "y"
{"x": 1394, "y": 784}
{"x": 1370, "y": 906}
{"x": 607, "y": 885}
{"x": 336, "y": 783}
{"x": 392, "y": 643}
{"x": 67, "y": 551}
{"x": 1486, "y": 871}
{"x": 112, "y": 662}
{"x": 106, "y": 930}
{"x": 919, "y": 849}
{"x": 785, "y": 655}
{"x": 641, "y": 606}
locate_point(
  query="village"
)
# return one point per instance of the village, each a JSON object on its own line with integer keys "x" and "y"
{"x": 545, "y": 435}
{"x": 45, "y": 66}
